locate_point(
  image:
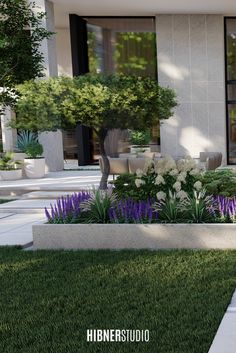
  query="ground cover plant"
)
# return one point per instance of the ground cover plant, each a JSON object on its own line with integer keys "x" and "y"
{"x": 220, "y": 182}
{"x": 50, "y": 298}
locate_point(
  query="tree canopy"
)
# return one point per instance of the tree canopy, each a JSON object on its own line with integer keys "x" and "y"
{"x": 102, "y": 102}
{"x": 21, "y": 34}
{"x": 97, "y": 101}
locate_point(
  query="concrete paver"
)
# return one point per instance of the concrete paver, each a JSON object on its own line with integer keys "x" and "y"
{"x": 16, "y": 229}
{"x": 224, "y": 341}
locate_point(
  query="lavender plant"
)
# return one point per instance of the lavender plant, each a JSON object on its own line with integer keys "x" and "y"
{"x": 130, "y": 211}
{"x": 67, "y": 209}
{"x": 226, "y": 208}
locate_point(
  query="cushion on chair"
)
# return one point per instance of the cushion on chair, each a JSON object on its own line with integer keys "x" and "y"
{"x": 136, "y": 163}
{"x": 118, "y": 166}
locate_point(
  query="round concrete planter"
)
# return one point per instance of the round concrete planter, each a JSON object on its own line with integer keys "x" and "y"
{"x": 11, "y": 174}
{"x": 139, "y": 149}
{"x": 34, "y": 168}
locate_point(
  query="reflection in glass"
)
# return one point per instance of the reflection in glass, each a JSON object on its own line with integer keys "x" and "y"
{"x": 231, "y": 48}
{"x": 232, "y": 132}
{"x": 127, "y": 46}
{"x": 122, "y": 45}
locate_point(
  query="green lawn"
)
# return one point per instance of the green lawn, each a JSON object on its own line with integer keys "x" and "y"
{"x": 48, "y": 299}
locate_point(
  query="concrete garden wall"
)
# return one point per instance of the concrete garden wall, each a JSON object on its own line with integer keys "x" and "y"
{"x": 134, "y": 236}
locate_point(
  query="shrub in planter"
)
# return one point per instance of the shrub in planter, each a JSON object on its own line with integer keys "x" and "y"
{"x": 197, "y": 208}
{"x": 34, "y": 163}
{"x": 10, "y": 169}
{"x": 158, "y": 178}
{"x": 100, "y": 207}
{"x": 103, "y": 207}
{"x": 220, "y": 182}
{"x": 140, "y": 140}
{"x": 130, "y": 211}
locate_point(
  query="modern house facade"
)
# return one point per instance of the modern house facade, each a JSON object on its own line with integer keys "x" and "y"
{"x": 187, "y": 45}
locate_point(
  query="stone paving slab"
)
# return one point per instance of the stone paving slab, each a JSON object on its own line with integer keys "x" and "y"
{"x": 26, "y": 206}
{"x": 46, "y": 194}
{"x": 17, "y": 228}
{"x": 4, "y": 215}
{"x": 225, "y": 339}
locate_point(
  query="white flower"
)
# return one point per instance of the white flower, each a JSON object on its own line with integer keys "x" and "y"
{"x": 161, "y": 195}
{"x": 173, "y": 172}
{"x": 194, "y": 171}
{"x": 182, "y": 195}
{"x": 139, "y": 182}
{"x": 159, "y": 180}
{"x": 197, "y": 185}
{"x": 164, "y": 165}
{"x": 177, "y": 186}
{"x": 139, "y": 173}
{"x": 185, "y": 165}
{"x": 182, "y": 177}
{"x": 149, "y": 164}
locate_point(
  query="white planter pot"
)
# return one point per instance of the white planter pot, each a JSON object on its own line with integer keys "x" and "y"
{"x": 11, "y": 174}
{"x": 139, "y": 149}
{"x": 19, "y": 156}
{"x": 34, "y": 168}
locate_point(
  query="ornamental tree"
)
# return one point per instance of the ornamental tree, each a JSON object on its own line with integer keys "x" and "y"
{"x": 101, "y": 102}
{"x": 21, "y": 34}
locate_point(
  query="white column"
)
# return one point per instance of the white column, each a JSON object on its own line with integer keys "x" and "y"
{"x": 8, "y": 134}
{"x": 51, "y": 141}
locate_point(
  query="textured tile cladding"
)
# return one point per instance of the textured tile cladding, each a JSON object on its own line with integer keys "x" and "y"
{"x": 190, "y": 52}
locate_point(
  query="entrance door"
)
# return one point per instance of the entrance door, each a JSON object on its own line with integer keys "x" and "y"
{"x": 79, "y": 53}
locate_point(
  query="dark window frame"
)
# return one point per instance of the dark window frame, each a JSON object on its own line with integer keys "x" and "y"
{"x": 227, "y": 82}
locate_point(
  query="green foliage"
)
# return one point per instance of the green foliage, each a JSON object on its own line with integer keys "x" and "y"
{"x": 20, "y": 57}
{"x": 24, "y": 138}
{"x": 102, "y": 102}
{"x": 220, "y": 182}
{"x": 194, "y": 208}
{"x": 125, "y": 187}
{"x": 7, "y": 162}
{"x": 140, "y": 138}
{"x": 158, "y": 178}
{"x": 200, "y": 208}
{"x": 34, "y": 150}
{"x": 98, "y": 205}
{"x": 1, "y": 147}
{"x": 171, "y": 209}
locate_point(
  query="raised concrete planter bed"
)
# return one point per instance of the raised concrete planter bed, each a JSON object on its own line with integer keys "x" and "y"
{"x": 134, "y": 236}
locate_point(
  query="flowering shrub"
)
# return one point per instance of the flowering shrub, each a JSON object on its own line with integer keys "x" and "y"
{"x": 226, "y": 208}
{"x": 198, "y": 208}
{"x": 101, "y": 207}
{"x": 67, "y": 209}
{"x": 160, "y": 177}
{"x": 130, "y": 211}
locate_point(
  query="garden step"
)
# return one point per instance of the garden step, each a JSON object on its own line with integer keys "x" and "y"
{"x": 46, "y": 194}
{"x": 26, "y": 206}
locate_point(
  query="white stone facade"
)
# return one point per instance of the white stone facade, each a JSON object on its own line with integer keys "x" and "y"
{"x": 190, "y": 52}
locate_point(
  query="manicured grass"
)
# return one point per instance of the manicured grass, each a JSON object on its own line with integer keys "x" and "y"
{"x": 48, "y": 299}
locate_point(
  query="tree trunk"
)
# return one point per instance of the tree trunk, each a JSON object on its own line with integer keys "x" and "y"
{"x": 106, "y": 165}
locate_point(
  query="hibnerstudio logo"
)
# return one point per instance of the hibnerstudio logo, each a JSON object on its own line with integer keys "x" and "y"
{"x": 115, "y": 335}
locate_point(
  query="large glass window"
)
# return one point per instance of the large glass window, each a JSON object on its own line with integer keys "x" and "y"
{"x": 123, "y": 45}
{"x": 230, "y": 42}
